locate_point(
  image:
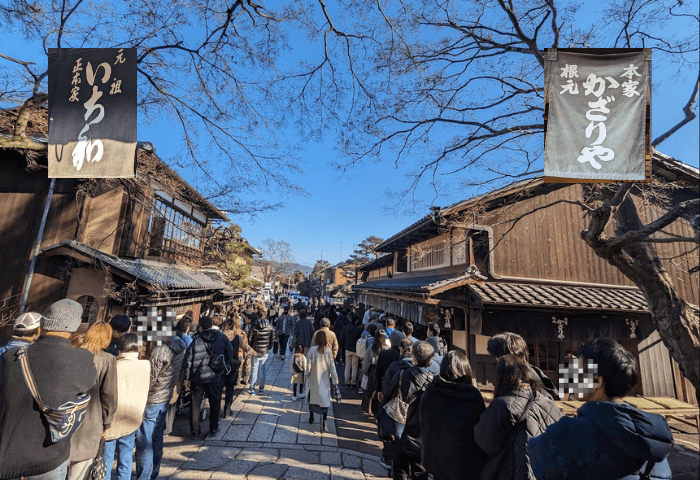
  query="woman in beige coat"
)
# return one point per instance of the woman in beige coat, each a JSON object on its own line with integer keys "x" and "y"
{"x": 320, "y": 378}
{"x": 133, "y": 381}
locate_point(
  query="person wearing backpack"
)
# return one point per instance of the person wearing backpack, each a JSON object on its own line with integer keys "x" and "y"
{"x": 297, "y": 367}
{"x": 206, "y": 361}
{"x": 260, "y": 339}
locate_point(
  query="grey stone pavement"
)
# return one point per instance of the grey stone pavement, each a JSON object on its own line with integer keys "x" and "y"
{"x": 267, "y": 437}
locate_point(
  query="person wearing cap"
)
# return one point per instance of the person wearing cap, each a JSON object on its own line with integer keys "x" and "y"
{"x": 120, "y": 324}
{"x": 24, "y": 331}
{"x": 61, "y": 374}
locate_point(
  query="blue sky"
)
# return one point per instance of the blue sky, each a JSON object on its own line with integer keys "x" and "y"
{"x": 342, "y": 210}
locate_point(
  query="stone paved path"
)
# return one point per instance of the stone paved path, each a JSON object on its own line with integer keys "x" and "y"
{"x": 267, "y": 437}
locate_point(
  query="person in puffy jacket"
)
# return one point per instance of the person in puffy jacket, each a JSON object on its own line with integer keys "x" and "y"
{"x": 498, "y": 430}
{"x": 449, "y": 409}
{"x": 414, "y": 381}
{"x": 166, "y": 363}
{"x": 608, "y": 439}
{"x": 260, "y": 338}
{"x": 200, "y": 378}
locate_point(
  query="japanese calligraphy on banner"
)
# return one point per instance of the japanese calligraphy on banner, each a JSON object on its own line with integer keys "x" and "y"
{"x": 92, "y": 112}
{"x": 597, "y": 115}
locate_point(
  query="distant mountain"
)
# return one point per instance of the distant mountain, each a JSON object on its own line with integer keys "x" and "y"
{"x": 293, "y": 267}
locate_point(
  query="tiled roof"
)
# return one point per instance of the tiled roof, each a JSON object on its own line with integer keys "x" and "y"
{"x": 382, "y": 261}
{"x": 588, "y": 298}
{"x": 418, "y": 284}
{"x": 153, "y": 273}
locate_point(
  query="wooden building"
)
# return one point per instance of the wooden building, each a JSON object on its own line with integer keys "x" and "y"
{"x": 513, "y": 260}
{"x": 115, "y": 246}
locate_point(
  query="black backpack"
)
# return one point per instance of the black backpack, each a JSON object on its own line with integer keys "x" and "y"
{"x": 217, "y": 363}
{"x": 297, "y": 364}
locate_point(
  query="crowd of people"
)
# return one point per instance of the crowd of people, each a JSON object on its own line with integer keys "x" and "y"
{"x": 430, "y": 415}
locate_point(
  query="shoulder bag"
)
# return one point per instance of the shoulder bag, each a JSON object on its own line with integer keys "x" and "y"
{"x": 64, "y": 420}
{"x": 217, "y": 363}
{"x": 494, "y": 464}
{"x": 397, "y": 409}
{"x": 98, "y": 470}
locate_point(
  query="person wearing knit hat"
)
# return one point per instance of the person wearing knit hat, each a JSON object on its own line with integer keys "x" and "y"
{"x": 61, "y": 374}
{"x": 24, "y": 331}
{"x": 62, "y": 316}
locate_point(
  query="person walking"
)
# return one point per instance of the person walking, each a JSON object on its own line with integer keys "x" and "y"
{"x": 166, "y": 364}
{"x": 304, "y": 331}
{"x": 103, "y": 403}
{"x": 348, "y": 340}
{"x": 297, "y": 368}
{"x": 321, "y": 378}
{"x": 260, "y": 338}
{"x": 24, "y": 331}
{"x": 61, "y": 374}
{"x": 608, "y": 438}
{"x": 241, "y": 348}
{"x": 448, "y": 411}
{"x": 411, "y": 383}
{"x": 282, "y": 332}
{"x": 209, "y": 348}
{"x": 133, "y": 379}
{"x": 330, "y": 336}
{"x": 387, "y": 357}
{"x": 519, "y": 411}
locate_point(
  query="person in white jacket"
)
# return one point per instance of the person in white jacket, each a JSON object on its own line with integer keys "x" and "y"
{"x": 320, "y": 378}
{"x": 133, "y": 380}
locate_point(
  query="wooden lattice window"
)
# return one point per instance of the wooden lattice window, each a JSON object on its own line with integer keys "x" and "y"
{"x": 90, "y": 308}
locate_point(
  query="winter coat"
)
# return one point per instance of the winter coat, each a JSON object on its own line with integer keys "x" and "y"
{"x": 448, "y": 412}
{"x": 100, "y": 412}
{"x": 261, "y": 336}
{"x": 321, "y": 374}
{"x": 547, "y": 384}
{"x": 386, "y": 358}
{"x": 14, "y": 342}
{"x": 398, "y": 365}
{"x": 342, "y": 322}
{"x": 298, "y": 377}
{"x": 607, "y": 440}
{"x": 349, "y": 336}
{"x": 414, "y": 382}
{"x": 197, "y": 357}
{"x": 496, "y": 424}
{"x": 332, "y": 340}
{"x": 290, "y": 322}
{"x": 281, "y": 325}
{"x": 166, "y": 363}
{"x": 61, "y": 374}
{"x": 133, "y": 379}
{"x": 304, "y": 332}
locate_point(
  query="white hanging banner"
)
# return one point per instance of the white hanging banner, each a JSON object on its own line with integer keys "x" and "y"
{"x": 597, "y": 115}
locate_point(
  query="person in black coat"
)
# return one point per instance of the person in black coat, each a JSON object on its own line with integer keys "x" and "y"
{"x": 449, "y": 409}
{"x": 414, "y": 382}
{"x": 387, "y": 357}
{"x": 199, "y": 376}
{"x": 406, "y": 361}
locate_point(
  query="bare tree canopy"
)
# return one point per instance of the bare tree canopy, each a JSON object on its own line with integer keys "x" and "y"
{"x": 277, "y": 259}
{"x": 199, "y": 65}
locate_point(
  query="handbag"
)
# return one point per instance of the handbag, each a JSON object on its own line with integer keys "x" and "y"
{"x": 64, "y": 420}
{"x": 98, "y": 471}
{"x": 497, "y": 462}
{"x": 397, "y": 410}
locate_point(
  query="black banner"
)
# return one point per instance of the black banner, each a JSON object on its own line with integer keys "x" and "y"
{"x": 92, "y": 112}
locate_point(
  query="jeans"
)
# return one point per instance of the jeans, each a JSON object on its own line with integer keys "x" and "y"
{"x": 283, "y": 343}
{"x": 58, "y": 473}
{"x": 149, "y": 441}
{"x": 213, "y": 391}
{"x": 257, "y": 374}
{"x": 351, "y": 361}
{"x": 124, "y": 448}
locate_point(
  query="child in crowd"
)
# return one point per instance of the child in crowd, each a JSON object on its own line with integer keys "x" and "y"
{"x": 297, "y": 367}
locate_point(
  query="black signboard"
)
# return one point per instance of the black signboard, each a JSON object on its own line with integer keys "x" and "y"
{"x": 92, "y": 112}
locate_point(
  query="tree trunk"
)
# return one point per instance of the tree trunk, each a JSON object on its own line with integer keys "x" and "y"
{"x": 676, "y": 322}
